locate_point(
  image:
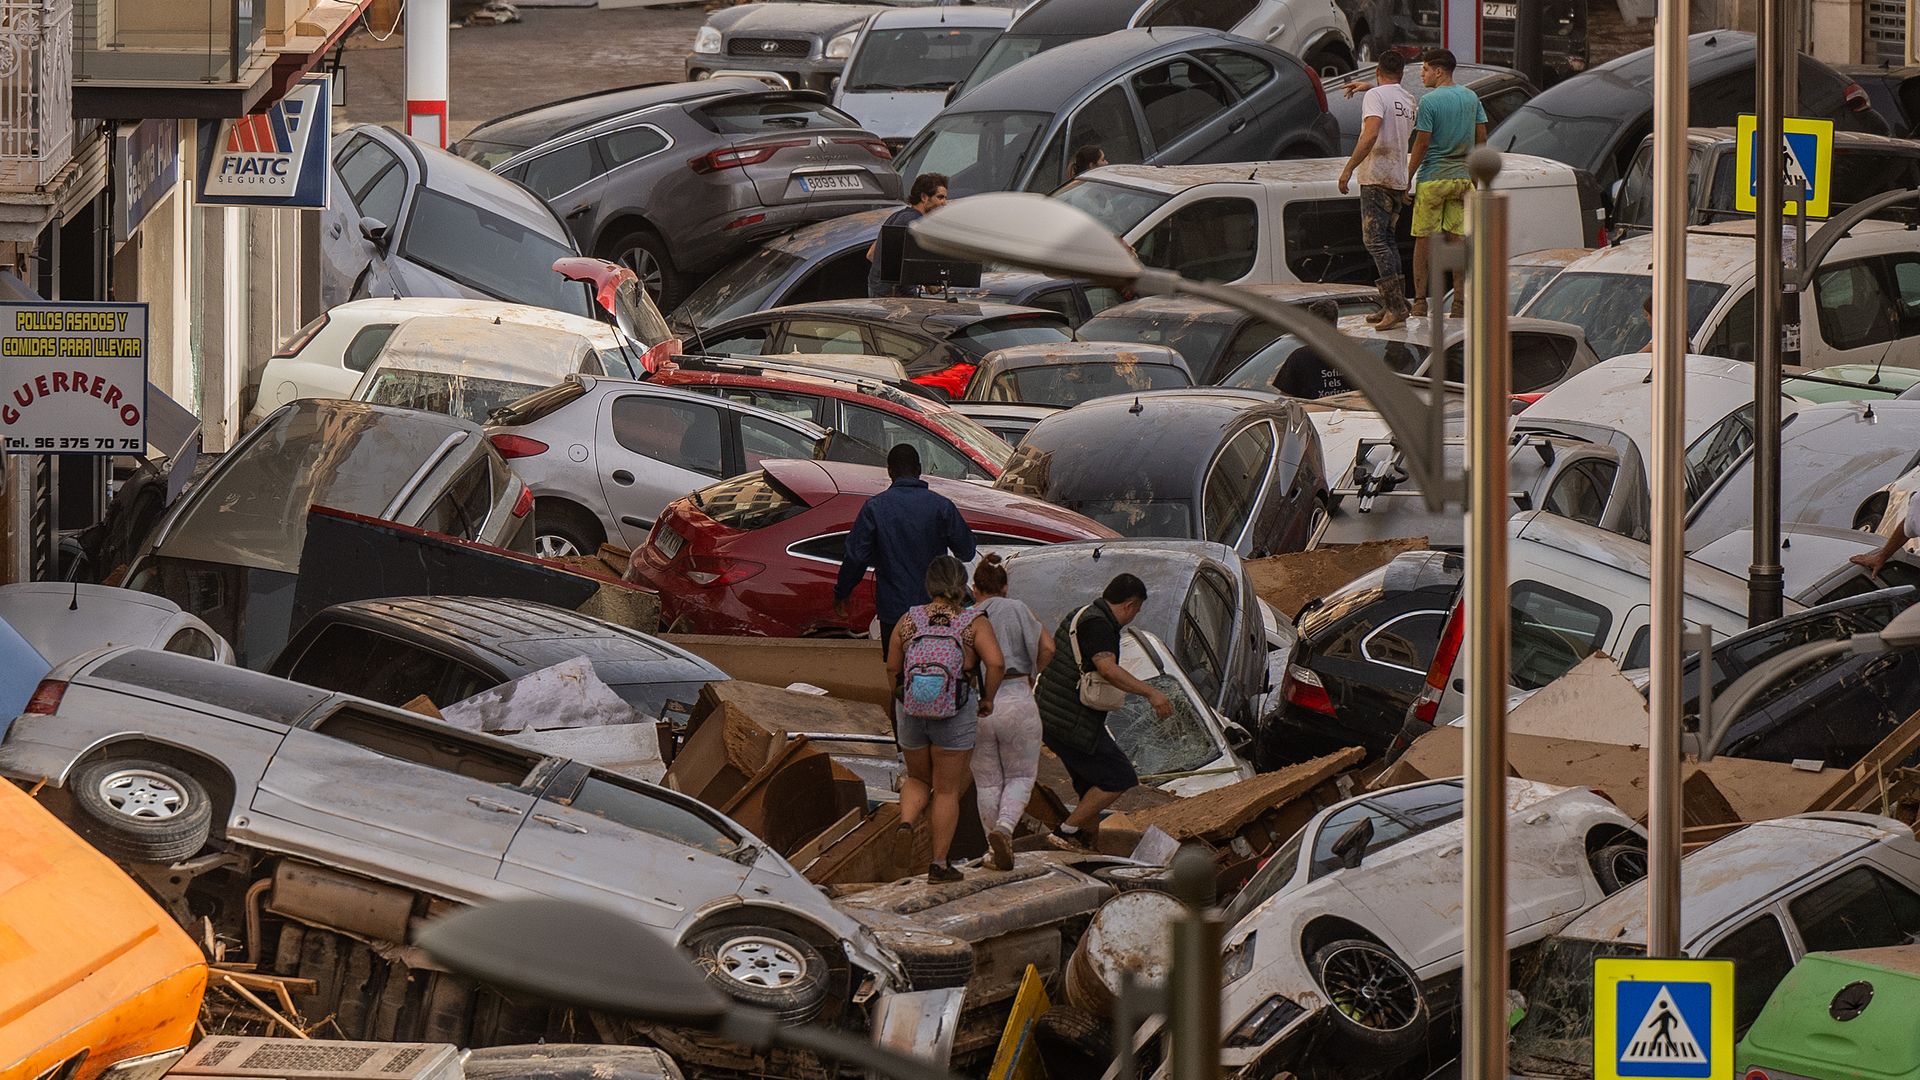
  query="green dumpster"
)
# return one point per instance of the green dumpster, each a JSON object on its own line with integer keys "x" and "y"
{"x": 1839, "y": 1016}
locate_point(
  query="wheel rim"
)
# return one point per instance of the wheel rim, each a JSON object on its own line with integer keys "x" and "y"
{"x": 645, "y": 267}
{"x": 551, "y": 546}
{"x": 763, "y": 962}
{"x": 1369, "y": 988}
{"x": 1628, "y": 866}
{"x": 147, "y": 796}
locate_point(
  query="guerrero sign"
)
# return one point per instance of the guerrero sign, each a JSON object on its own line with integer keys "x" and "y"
{"x": 275, "y": 158}
{"x": 75, "y": 378}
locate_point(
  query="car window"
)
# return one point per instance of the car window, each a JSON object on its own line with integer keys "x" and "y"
{"x": 629, "y": 804}
{"x": 1206, "y": 630}
{"x": 1716, "y": 451}
{"x": 1247, "y": 73}
{"x": 462, "y": 509}
{"x": 1552, "y": 631}
{"x": 1854, "y": 311}
{"x": 751, "y": 341}
{"x": 1212, "y": 240}
{"x": 877, "y": 427}
{"x": 436, "y": 747}
{"x": 622, "y": 147}
{"x": 1760, "y": 960}
{"x": 762, "y": 439}
{"x": 1100, "y": 298}
{"x": 1903, "y": 273}
{"x": 362, "y": 165}
{"x": 191, "y": 642}
{"x": 1107, "y": 122}
{"x": 749, "y": 501}
{"x": 1057, "y": 300}
{"x": 831, "y": 548}
{"x": 1322, "y": 241}
{"x": 1051, "y": 166}
{"x": 680, "y": 433}
{"x": 1254, "y": 335}
{"x": 1581, "y": 490}
{"x": 1540, "y": 361}
{"x": 982, "y": 338}
{"x": 1610, "y": 308}
{"x": 366, "y": 345}
{"x": 803, "y": 406}
{"x": 1215, "y": 14}
{"x": 559, "y": 171}
{"x": 1387, "y": 831}
{"x": 1407, "y": 642}
{"x": 1860, "y": 909}
{"x": 902, "y": 347}
{"x": 499, "y": 256}
{"x": 838, "y": 278}
{"x": 1234, "y": 484}
{"x": 381, "y": 200}
{"x": 1501, "y": 104}
{"x": 1423, "y": 807}
{"x": 808, "y": 335}
{"x": 1733, "y": 338}
{"x": 1178, "y": 96}
{"x": 366, "y": 663}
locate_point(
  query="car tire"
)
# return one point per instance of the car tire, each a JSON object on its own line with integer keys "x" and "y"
{"x": 764, "y": 967}
{"x": 1617, "y": 866}
{"x": 1073, "y": 1042}
{"x": 1377, "y": 1006}
{"x": 645, "y": 253}
{"x": 1329, "y": 60}
{"x": 932, "y": 961}
{"x": 1126, "y": 879}
{"x": 142, "y": 811}
{"x": 562, "y": 530}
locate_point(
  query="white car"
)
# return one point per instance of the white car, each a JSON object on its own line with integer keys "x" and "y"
{"x": 1343, "y": 936}
{"x": 906, "y": 59}
{"x": 64, "y": 619}
{"x": 1191, "y": 751}
{"x": 468, "y": 367}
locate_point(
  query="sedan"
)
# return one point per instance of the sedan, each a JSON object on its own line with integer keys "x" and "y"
{"x": 759, "y": 554}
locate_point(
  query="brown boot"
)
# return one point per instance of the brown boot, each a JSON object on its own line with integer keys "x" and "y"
{"x": 1418, "y": 308}
{"x": 1393, "y": 295}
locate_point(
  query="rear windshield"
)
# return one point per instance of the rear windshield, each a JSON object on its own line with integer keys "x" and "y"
{"x": 749, "y": 501}
{"x": 223, "y": 687}
{"x": 492, "y": 254}
{"x": 984, "y": 337}
{"x": 1071, "y": 384}
{"x": 464, "y": 396}
{"x": 920, "y": 58}
{"x": 538, "y": 405}
{"x": 1118, "y": 208}
{"x": 758, "y": 116}
{"x": 743, "y": 287}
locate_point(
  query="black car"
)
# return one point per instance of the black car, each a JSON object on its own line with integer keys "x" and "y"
{"x": 675, "y": 188}
{"x": 1215, "y": 338}
{"x": 1379, "y": 25}
{"x": 1225, "y": 466}
{"x": 1596, "y": 121}
{"x": 1047, "y": 24}
{"x": 1501, "y": 91}
{"x": 939, "y": 341}
{"x": 1894, "y": 91}
{"x": 452, "y": 647}
{"x": 1360, "y": 660}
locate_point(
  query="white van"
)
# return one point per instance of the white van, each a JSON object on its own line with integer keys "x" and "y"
{"x": 1273, "y": 221}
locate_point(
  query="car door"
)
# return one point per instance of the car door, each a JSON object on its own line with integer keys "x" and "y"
{"x": 1412, "y": 884}
{"x": 369, "y": 185}
{"x": 564, "y": 178}
{"x": 1547, "y": 874}
{"x": 605, "y": 839}
{"x": 1761, "y": 957}
{"x": 1189, "y": 111}
{"x": 650, "y": 449}
{"x": 409, "y": 799}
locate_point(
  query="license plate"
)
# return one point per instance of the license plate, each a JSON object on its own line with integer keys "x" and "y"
{"x": 1501, "y": 11}
{"x": 832, "y": 182}
{"x": 668, "y": 543}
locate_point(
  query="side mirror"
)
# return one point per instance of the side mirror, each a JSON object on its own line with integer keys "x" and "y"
{"x": 1352, "y": 845}
{"x": 1238, "y": 737}
{"x": 375, "y": 231}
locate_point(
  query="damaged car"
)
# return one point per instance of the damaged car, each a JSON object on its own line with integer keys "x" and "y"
{"x": 1067, "y": 374}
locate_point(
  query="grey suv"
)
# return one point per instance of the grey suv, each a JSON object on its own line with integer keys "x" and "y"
{"x": 674, "y": 181}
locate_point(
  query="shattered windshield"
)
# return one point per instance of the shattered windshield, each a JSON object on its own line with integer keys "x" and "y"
{"x": 464, "y": 396}
{"x": 1163, "y": 748}
{"x": 1555, "y": 1037}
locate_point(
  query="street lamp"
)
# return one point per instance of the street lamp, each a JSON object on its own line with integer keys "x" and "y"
{"x": 1037, "y": 233}
{"x": 1901, "y": 632}
{"x": 567, "y": 951}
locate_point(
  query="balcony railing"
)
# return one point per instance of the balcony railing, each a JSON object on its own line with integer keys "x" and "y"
{"x": 165, "y": 41}
{"x": 36, "y": 91}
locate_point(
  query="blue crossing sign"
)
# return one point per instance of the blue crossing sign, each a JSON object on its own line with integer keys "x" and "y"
{"x": 1806, "y": 157}
{"x": 1662, "y": 1019}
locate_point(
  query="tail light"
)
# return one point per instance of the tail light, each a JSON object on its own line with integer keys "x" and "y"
{"x": 517, "y": 446}
{"x": 872, "y": 146}
{"x": 1856, "y": 98}
{"x": 734, "y": 159}
{"x": 660, "y": 356}
{"x": 1303, "y": 688}
{"x": 1601, "y": 238}
{"x": 953, "y": 380}
{"x": 523, "y": 505}
{"x": 1427, "y": 705}
{"x": 1521, "y": 401}
{"x": 46, "y": 698}
{"x": 743, "y": 222}
{"x": 1319, "y": 88}
{"x": 714, "y": 571}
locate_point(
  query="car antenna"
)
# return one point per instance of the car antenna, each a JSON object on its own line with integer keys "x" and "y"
{"x": 1096, "y": 553}
{"x": 1868, "y": 415}
{"x": 1137, "y": 408}
{"x": 1875, "y": 380}
{"x": 75, "y": 604}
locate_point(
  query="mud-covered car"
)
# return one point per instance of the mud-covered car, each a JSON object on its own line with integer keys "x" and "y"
{"x": 803, "y": 46}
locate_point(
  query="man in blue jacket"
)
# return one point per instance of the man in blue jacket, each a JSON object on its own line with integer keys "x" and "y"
{"x": 898, "y": 534}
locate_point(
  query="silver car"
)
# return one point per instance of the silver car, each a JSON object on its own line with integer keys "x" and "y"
{"x": 604, "y": 456}
{"x": 158, "y": 754}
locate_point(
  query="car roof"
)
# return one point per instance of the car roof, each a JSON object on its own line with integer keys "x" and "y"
{"x": 1201, "y": 310}
{"x": 1088, "y": 62}
{"x": 1075, "y": 16}
{"x": 1616, "y": 393}
{"x": 458, "y": 177}
{"x": 1418, "y": 329}
{"x": 1865, "y": 140}
{"x": 1709, "y": 54}
{"x": 1022, "y": 357}
{"x": 1549, "y": 256}
{"x": 515, "y": 633}
{"x": 1721, "y": 251}
{"x": 482, "y": 349}
{"x": 947, "y": 314}
{"x": 1728, "y": 877}
{"x": 944, "y": 15}
{"x": 611, "y": 383}
{"x": 383, "y": 308}
{"x": 1809, "y": 553}
{"x": 1175, "y": 433}
{"x": 537, "y": 124}
{"x": 1553, "y": 535}
{"x": 1516, "y": 170}
{"x": 816, "y": 481}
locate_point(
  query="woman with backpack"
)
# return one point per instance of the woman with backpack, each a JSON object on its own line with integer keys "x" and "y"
{"x": 1006, "y": 754}
{"x": 933, "y": 656}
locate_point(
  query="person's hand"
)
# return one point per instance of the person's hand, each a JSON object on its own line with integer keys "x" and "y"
{"x": 840, "y": 610}
{"x": 1407, "y": 197}
{"x": 1346, "y": 174}
{"x": 1162, "y": 705}
{"x": 986, "y": 707}
{"x": 1872, "y": 561}
{"x": 1353, "y": 88}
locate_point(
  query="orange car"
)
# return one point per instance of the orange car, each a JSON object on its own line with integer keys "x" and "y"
{"x": 95, "y": 979}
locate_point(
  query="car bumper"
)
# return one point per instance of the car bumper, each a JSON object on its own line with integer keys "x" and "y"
{"x": 1299, "y": 734}
{"x": 799, "y": 73}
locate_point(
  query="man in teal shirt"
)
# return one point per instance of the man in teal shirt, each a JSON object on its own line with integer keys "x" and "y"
{"x": 1450, "y": 124}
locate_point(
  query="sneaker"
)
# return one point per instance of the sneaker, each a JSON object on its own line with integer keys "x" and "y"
{"x": 939, "y": 873}
{"x": 1000, "y": 850}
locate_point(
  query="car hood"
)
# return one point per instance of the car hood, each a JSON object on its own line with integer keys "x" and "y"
{"x": 894, "y": 114}
{"x": 792, "y": 18}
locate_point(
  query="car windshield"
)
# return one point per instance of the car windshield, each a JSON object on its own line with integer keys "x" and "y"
{"x": 486, "y": 152}
{"x": 497, "y": 256}
{"x": 978, "y": 151}
{"x": 984, "y": 337}
{"x": 918, "y": 58}
{"x": 1117, "y": 207}
{"x": 1580, "y": 141}
{"x": 464, "y": 396}
{"x": 1273, "y": 875}
{"x": 1163, "y": 749}
{"x": 1611, "y": 308}
{"x": 1008, "y": 50}
{"x": 1555, "y": 1037}
{"x": 1071, "y": 384}
{"x": 744, "y": 287}
{"x": 1525, "y": 282}
{"x": 1161, "y": 518}
{"x": 1197, "y": 340}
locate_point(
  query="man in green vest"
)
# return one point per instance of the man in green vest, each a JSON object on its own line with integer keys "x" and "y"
{"x": 1088, "y": 641}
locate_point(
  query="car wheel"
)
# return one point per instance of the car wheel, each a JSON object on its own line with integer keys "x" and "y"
{"x": 768, "y": 968}
{"x": 1135, "y": 878}
{"x": 142, "y": 811}
{"x": 1378, "y": 1004}
{"x": 1617, "y": 866}
{"x": 643, "y": 252}
{"x": 1073, "y": 1042}
{"x": 932, "y": 961}
{"x": 563, "y": 531}
{"x": 1329, "y": 61}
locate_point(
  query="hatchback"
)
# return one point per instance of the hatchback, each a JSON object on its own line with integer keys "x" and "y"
{"x": 675, "y": 190}
{"x": 1166, "y": 96}
{"x": 468, "y": 368}
{"x": 759, "y": 553}
{"x": 604, "y": 456}
{"x": 1235, "y": 468}
{"x": 1213, "y": 337}
{"x": 1066, "y": 375}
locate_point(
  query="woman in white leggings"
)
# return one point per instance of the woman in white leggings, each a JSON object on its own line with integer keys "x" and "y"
{"x": 1006, "y": 749}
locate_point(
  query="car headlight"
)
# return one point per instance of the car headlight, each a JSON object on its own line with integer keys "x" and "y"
{"x": 841, "y": 47}
{"x": 707, "y": 40}
{"x": 1269, "y": 1018}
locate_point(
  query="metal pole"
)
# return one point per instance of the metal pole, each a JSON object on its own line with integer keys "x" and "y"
{"x": 1529, "y": 42}
{"x": 1764, "y": 585}
{"x": 1668, "y": 465}
{"x": 427, "y": 71}
{"x": 1193, "y": 977}
{"x": 1489, "y": 379}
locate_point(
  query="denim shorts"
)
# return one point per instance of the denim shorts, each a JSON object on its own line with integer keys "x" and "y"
{"x": 956, "y": 732}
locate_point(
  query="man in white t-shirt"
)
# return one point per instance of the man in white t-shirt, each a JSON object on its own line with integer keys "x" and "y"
{"x": 1380, "y": 159}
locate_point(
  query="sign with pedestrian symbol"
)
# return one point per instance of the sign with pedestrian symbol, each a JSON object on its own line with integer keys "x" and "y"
{"x": 1662, "y": 1019}
{"x": 1806, "y": 156}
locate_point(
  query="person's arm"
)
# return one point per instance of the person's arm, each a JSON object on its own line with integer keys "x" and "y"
{"x": 1421, "y": 140}
{"x": 1369, "y": 134}
{"x": 1358, "y": 86}
{"x": 1480, "y": 133}
{"x": 897, "y": 651}
{"x": 993, "y": 664}
{"x": 1109, "y": 667}
{"x": 1874, "y": 561}
{"x": 1044, "y": 655}
{"x": 959, "y": 535}
{"x": 855, "y": 559}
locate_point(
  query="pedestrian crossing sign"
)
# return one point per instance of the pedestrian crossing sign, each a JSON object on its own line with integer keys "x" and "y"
{"x": 1806, "y": 155}
{"x": 1662, "y": 1019}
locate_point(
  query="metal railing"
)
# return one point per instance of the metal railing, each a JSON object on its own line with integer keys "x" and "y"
{"x": 36, "y": 91}
{"x": 165, "y": 41}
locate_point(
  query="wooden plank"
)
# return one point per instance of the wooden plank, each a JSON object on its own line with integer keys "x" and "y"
{"x": 1858, "y": 786}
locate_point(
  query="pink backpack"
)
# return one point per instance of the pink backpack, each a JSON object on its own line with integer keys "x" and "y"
{"x": 933, "y": 666}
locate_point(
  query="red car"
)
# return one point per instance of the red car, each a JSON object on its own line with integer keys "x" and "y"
{"x": 758, "y": 554}
{"x": 872, "y": 410}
